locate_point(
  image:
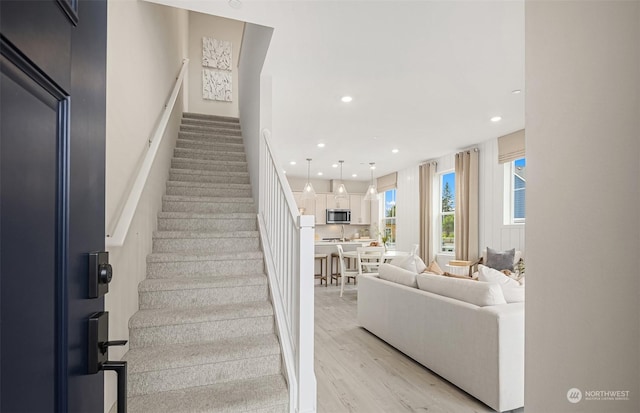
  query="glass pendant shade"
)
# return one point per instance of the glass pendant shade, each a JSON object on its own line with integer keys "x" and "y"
{"x": 372, "y": 192}
{"x": 340, "y": 192}
{"x": 308, "y": 192}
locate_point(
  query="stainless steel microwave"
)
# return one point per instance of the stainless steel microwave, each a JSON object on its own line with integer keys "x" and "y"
{"x": 338, "y": 216}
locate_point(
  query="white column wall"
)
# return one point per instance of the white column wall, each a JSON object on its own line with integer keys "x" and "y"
{"x": 583, "y": 205}
{"x": 408, "y": 209}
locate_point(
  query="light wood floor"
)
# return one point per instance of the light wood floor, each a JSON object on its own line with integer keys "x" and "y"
{"x": 358, "y": 372}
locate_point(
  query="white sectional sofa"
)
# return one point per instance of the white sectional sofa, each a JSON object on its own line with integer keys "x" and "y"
{"x": 480, "y": 349}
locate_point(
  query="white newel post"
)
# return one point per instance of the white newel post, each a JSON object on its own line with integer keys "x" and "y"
{"x": 306, "y": 373}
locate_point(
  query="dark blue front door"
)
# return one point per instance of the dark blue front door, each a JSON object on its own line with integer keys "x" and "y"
{"x": 52, "y": 140}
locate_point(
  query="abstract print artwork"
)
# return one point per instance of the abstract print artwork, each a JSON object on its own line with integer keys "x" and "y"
{"x": 216, "y": 85}
{"x": 216, "y": 53}
{"x": 217, "y": 77}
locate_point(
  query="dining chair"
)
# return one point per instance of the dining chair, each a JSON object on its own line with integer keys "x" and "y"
{"x": 344, "y": 273}
{"x": 369, "y": 259}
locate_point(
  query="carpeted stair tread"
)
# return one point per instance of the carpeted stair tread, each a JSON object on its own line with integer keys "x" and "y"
{"x": 200, "y": 235}
{"x": 206, "y": 172}
{"x": 193, "y": 115}
{"x": 180, "y": 316}
{"x": 191, "y": 153}
{"x": 208, "y": 185}
{"x": 185, "y": 143}
{"x": 263, "y": 394}
{"x": 178, "y": 284}
{"x": 181, "y": 355}
{"x": 197, "y": 215}
{"x": 211, "y": 130}
{"x": 175, "y": 257}
{"x": 208, "y": 199}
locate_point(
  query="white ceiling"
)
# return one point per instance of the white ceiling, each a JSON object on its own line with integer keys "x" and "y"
{"x": 425, "y": 77}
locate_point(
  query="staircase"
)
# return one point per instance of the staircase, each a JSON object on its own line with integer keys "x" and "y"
{"x": 204, "y": 338}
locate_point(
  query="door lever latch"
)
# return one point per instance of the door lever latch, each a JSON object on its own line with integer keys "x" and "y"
{"x": 99, "y": 354}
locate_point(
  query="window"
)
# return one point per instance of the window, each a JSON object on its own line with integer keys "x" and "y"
{"x": 447, "y": 211}
{"x": 515, "y": 189}
{"x": 388, "y": 219}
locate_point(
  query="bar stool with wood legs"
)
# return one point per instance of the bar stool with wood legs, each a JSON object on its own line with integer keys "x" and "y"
{"x": 323, "y": 270}
{"x": 335, "y": 270}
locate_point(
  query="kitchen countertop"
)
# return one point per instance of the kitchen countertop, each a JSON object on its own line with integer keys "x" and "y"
{"x": 359, "y": 241}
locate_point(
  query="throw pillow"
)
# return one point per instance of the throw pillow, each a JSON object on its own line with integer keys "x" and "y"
{"x": 473, "y": 292}
{"x": 397, "y": 275}
{"x": 512, "y": 290}
{"x": 434, "y": 268}
{"x": 410, "y": 263}
{"x": 500, "y": 260}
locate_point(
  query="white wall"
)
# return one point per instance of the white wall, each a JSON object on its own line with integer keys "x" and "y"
{"x": 583, "y": 204}
{"x": 493, "y": 232}
{"x": 204, "y": 25}
{"x": 255, "y": 99}
{"x": 145, "y": 47}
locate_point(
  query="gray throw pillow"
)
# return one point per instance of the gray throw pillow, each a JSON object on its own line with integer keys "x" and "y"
{"x": 500, "y": 260}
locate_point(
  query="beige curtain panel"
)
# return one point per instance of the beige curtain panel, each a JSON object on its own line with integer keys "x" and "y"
{"x": 426, "y": 182}
{"x": 466, "y": 212}
{"x": 387, "y": 182}
{"x": 511, "y": 147}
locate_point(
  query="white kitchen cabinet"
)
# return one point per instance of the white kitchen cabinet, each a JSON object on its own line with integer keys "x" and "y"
{"x": 321, "y": 209}
{"x": 360, "y": 210}
{"x": 317, "y": 206}
{"x": 332, "y": 203}
{"x": 308, "y": 205}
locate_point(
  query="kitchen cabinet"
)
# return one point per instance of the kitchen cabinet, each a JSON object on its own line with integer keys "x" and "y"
{"x": 332, "y": 203}
{"x": 360, "y": 210}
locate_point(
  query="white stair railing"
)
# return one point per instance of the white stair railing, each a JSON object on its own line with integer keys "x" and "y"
{"x": 288, "y": 244}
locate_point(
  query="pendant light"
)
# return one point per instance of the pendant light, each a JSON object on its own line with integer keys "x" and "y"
{"x": 340, "y": 192}
{"x": 372, "y": 192}
{"x": 308, "y": 192}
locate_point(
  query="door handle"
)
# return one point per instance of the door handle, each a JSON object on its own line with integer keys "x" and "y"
{"x": 99, "y": 355}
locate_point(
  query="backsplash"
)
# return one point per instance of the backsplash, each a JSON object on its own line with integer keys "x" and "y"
{"x": 334, "y": 231}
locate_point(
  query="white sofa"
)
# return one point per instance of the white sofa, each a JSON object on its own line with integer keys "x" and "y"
{"x": 479, "y": 349}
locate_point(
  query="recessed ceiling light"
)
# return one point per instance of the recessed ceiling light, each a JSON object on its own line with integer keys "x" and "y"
{"x": 496, "y": 119}
{"x": 292, "y": 163}
{"x": 346, "y": 99}
{"x": 516, "y": 91}
{"x": 354, "y": 175}
{"x": 284, "y": 172}
{"x": 335, "y": 165}
{"x": 395, "y": 150}
{"x": 236, "y": 4}
{"x": 372, "y": 167}
{"x": 321, "y": 145}
{"x": 319, "y": 173}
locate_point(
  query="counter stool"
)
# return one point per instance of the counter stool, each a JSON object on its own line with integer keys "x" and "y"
{"x": 335, "y": 271}
{"x": 323, "y": 270}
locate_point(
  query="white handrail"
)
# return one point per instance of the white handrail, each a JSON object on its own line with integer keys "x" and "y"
{"x": 126, "y": 216}
{"x": 288, "y": 245}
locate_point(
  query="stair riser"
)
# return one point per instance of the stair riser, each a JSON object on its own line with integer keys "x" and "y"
{"x": 206, "y": 245}
{"x": 200, "y": 332}
{"x": 205, "y": 225}
{"x": 211, "y": 124}
{"x": 203, "y": 268}
{"x": 209, "y": 156}
{"x": 210, "y": 130}
{"x": 207, "y": 207}
{"x": 214, "y": 118}
{"x": 202, "y": 375}
{"x": 214, "y": 179}
{"x": 213, "y": 192}
{"x": 200, "y": 145}
{"x": 209, "y": 165}
{"x": 203, "y": 297}
{"x": 210, "y": 138}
